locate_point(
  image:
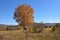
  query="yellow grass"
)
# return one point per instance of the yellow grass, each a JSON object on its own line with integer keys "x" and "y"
{"x": 20, "y": 35}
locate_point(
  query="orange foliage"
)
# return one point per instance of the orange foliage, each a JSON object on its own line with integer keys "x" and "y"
{"x": 24, "y": 15}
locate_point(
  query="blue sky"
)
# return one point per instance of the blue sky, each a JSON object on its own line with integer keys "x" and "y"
{"x": 47, "y": 11}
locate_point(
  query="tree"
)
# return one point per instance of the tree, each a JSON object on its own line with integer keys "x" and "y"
{"x": 24, "y": 15}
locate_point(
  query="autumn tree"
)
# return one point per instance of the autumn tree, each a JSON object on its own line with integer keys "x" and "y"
{"x": 24, "y": 15}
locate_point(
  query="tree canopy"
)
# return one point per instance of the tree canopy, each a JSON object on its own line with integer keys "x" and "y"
{"x": 24, "y": 15}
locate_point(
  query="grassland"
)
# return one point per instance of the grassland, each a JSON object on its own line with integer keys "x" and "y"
{"x": 19, "y": 35}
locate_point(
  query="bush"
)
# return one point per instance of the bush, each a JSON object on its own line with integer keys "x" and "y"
{"x": 18, "y": 28}
{"x": 34, "y": 29}
{"x": 7, "y": 28}
{"x": 54, "y": 28}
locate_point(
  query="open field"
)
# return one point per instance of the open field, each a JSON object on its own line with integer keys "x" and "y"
{"x": 17, "y": 35}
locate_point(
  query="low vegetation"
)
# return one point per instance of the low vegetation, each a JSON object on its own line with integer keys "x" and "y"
{"x": 33, "y": 33}
{"x": 20, "y": 35}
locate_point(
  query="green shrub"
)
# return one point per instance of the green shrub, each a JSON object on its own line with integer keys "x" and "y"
{"x": 34, "y": 29}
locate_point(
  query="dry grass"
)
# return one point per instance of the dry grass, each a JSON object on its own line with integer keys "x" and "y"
{"x": 18, "y": 35}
